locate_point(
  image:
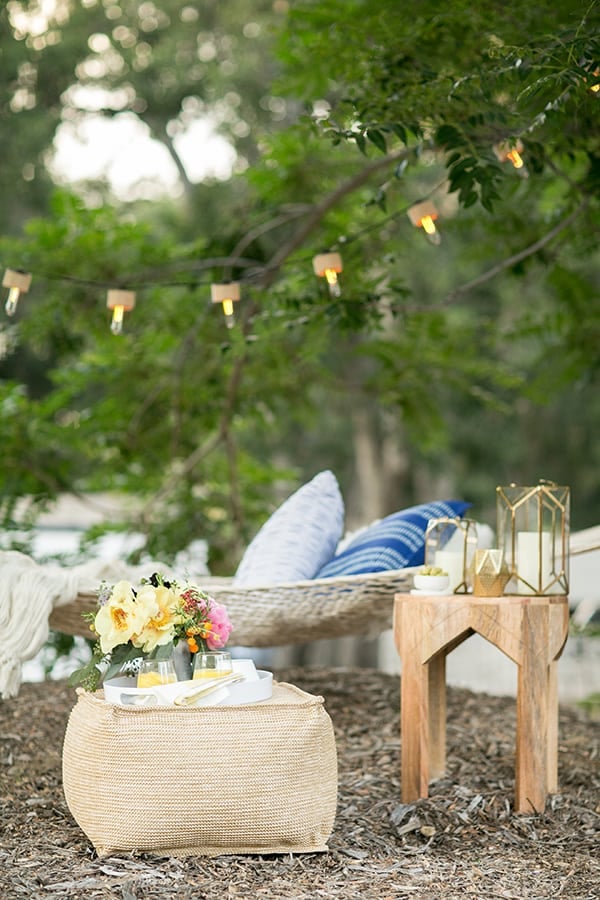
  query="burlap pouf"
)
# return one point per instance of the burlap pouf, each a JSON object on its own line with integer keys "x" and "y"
{"x": 260, "y": 778}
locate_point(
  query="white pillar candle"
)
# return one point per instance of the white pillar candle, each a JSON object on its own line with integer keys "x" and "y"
{"x": 451, "y": 561}
{"x": 529, "y": 563}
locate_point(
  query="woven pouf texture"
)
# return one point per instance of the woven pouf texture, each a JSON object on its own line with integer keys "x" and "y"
{"x": 258, "y": 778}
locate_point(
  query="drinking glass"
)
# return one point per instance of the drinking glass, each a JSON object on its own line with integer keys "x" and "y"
{"x": 156, "y": 671}
{"x": 212, "y": 664}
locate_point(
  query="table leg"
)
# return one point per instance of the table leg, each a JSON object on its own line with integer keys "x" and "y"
{"x": 552, "y": 757}
{"x": 531, "y": 631}
{"x": 414, "y": 728}
{"x": 535, "y": 707}
{"x": 437, "y": 715}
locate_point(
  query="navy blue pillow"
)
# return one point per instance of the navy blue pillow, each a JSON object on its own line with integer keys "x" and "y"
{"x": 395, "y": 542}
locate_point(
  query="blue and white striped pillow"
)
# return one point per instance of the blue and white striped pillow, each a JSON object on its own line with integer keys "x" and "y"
{"x": 395, "y": 542}
{"x": 299, "y": 538}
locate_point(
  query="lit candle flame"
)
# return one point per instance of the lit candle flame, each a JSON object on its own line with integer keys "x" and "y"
{"x": 116, "y": 326}
{"x": 227, "y": 305}
{"x": 515, "y": 158}
{"x": 332, "y": 281}
{"x": 428, "y": 225}
{"x": 17, "y": 282}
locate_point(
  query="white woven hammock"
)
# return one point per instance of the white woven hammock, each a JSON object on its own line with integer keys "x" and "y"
{"x": 278, "y": 614}
{"x": 301, "y": 611}
{"x": 34, "y": 598}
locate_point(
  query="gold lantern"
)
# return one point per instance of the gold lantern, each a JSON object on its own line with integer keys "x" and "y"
{"x": 450, "y": 543}
{"x": 533, "y": 532}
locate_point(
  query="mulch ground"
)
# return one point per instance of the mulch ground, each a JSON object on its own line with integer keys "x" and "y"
{"x": 464, "y": 840}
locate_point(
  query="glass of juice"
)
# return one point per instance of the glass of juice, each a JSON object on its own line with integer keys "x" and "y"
{"x": 212, "y": 664}
{"x": 156, "y": 671}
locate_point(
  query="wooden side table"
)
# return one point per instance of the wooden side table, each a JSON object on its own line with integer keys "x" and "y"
{"x": 531, "y": 631}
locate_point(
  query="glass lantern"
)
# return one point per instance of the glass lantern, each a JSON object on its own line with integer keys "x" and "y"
{"x": 533, "y": 532}
{"x": 450, "y": 544}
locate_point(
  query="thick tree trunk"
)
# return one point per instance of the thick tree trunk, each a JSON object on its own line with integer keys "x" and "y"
{"x": 381, "y": 465}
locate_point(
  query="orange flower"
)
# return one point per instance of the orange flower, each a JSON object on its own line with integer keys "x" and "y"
{"x": 203, "y": 630}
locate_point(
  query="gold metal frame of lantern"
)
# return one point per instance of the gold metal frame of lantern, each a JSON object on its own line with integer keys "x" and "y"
{"x": 455, "y": 559}
{"x": 533, "y": 533}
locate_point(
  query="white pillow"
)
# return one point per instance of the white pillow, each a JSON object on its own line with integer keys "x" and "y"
{"x": 299, "y": 538}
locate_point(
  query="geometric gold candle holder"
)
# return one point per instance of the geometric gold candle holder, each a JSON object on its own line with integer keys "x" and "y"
{"x": 533, "y": 533}
{"x": 489, "y": 573}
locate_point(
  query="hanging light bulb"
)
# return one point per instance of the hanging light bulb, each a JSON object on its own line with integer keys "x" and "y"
{"x": 423, "y": 215}
{"x": 17, "y": 283}
{"x": 226, "y": 294}
{"x": 511, "y": 152}
{"x": 328, "y": 266}
{"x": 119, "y": 301}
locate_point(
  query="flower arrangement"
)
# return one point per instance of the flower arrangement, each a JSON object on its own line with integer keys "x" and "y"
{"x": 147, "y": 622}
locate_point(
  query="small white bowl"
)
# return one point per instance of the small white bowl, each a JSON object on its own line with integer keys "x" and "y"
{"x": 433, "y": 583}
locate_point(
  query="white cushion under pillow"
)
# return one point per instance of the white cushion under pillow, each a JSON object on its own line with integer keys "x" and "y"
{"x": 299, "y": 538}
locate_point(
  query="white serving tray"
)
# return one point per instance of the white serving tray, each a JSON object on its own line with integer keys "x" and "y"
{"x": 256, "y": 685}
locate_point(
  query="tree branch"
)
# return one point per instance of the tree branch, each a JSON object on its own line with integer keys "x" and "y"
{"x": 165, "y": 139}
{"x": 282, "y": 219}
{"x": 315, "y": 215}
{"x": 517, "y": 257}
{"x": 318, "y": 212}
{"x": 202, "y": 450}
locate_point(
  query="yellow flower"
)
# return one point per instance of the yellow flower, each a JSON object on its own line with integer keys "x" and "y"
{"x": 159, "y": 620}
{"x": 119, "y": 619}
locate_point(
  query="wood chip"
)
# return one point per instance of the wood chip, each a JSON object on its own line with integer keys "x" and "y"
{"x": 464, "y": 840}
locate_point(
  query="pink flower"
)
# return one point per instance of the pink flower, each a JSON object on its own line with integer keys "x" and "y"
{"x": 221, "y": 626}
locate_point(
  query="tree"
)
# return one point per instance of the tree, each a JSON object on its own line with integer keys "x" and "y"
{"x": 421, "y": 341}
{"x": 450, "y": 87}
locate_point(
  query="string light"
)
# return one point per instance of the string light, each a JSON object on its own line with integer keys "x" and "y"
{"x": 329, "y": 265}
{"x": 119, "y": 301}
{"x": 226, "y": 294}
{"x": 511, "y": 152}
{"x": 423, "y": 215}
{"x": 18, "y": 283}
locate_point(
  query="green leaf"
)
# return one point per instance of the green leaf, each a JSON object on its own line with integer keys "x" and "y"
{"x": 465, "y": 163}
{"x": 360, "y": 142}
{"x": 400, "y": 132}
{"x": 377, "y": 138}
{"x": 453, "y": 158}
{"x": 163, "y": 651}
{"x": 448, "y": 136}
{"x": 87, "y": 676}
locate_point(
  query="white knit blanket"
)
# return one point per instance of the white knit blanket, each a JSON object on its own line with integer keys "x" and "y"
{"x": 28, "y": 594}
